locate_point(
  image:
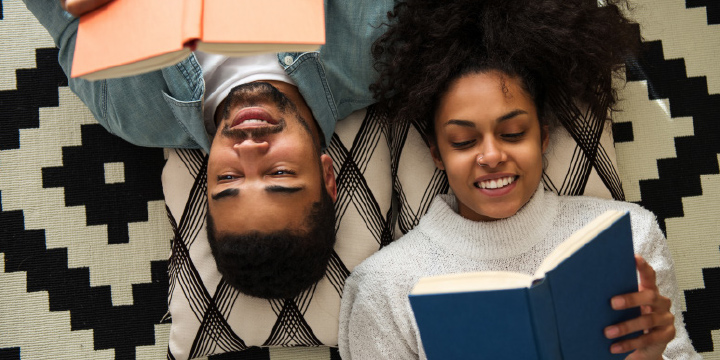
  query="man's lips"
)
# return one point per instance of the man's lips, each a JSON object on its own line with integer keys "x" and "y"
{"x": 252, "y": 117}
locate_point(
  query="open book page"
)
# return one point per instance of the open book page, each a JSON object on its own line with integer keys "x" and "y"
{"x": 475, "y": 281}
{"x": 576, "y": 241}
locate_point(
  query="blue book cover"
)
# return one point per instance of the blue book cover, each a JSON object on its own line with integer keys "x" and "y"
{"x": 559, "y": 313}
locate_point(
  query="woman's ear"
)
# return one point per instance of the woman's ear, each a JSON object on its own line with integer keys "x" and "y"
{"x": 545, "y": 134}
{"x": 435, "y": 153}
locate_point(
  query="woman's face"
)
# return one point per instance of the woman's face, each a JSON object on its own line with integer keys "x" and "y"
{"x": 490, "y": 144}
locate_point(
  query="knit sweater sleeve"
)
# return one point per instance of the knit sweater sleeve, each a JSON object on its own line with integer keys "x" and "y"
{"x": 376, "y": 318}
{"x": 651, "y": 244}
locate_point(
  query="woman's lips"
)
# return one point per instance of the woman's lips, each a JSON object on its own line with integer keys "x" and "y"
{"x": 252, "y": 117}
{"x": 496, "y": 184}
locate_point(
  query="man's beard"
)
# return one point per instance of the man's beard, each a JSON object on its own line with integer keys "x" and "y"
{"x": 280, "y": 264}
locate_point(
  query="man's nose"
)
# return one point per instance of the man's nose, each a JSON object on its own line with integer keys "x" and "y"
{"x": 251, "y": 147}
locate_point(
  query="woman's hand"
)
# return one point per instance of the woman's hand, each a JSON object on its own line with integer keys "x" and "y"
{"x": 656, "y": 321}
{"x": 79, "y": 7}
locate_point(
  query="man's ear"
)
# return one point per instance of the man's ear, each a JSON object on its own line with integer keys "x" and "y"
{"x": 435, "y": 153}
{"x": 329, "y": 176}
{"x": 545, "y": 137}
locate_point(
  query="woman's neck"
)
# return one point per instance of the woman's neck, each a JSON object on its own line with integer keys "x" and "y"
{"x": 490, "y": 239}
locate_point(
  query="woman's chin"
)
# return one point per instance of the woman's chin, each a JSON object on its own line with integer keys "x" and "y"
{"x": 488, "y": 214}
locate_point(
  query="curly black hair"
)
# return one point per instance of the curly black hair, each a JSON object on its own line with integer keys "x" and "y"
{"x": 560, "y": 49}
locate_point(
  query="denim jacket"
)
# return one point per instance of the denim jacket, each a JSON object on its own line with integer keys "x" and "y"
{"x": 163, "y": 108}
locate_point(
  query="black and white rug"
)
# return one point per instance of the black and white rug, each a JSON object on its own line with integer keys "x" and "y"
{"x": 85, "y": 238}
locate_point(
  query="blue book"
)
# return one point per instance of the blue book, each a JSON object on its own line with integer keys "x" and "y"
{"x": 558, "y": 313}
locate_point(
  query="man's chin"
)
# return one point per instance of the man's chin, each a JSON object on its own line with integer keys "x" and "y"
{"x": 278, "y": 265}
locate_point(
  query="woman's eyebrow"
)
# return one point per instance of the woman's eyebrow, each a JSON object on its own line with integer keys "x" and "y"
{"x": 511, "y": 115}
{"x": 471, "y": 124}
{"x": 458, "y": 122}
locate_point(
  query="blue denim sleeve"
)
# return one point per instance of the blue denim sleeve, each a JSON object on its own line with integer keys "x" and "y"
{"x": 335, "y": 80}
{"x": 160, "y": 109}
{"x": 62, "y": 28}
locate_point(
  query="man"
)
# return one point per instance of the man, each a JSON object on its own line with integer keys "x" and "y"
{"x": 270, "y": 190}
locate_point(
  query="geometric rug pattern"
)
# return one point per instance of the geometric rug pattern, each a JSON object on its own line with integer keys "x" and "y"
{"x": 667, "y": 137}
{"x": 85, "y": 238}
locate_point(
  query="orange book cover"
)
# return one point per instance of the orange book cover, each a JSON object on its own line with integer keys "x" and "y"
{"x": 129, "y": 37}
{"x": 127, "y": 31}
{"x": 264, "y": 21}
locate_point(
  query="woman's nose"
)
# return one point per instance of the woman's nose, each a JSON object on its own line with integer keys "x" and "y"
{"x": 491, "y": 154}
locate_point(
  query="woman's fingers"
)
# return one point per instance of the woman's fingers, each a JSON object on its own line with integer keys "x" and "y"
{"x": 656, "y": 321}
{"x": 647, "y": 273}
{"x": 657, "y": 338}
{"x": 646, "y": 323}
{"x": 644, "y": 298}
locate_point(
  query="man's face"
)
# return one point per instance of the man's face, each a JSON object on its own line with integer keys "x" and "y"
{"x": 265, "y": 168}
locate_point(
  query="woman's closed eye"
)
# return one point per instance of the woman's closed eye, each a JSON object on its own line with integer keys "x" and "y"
{"x": 513, "y": 136}
{"x": 462, "y": 144}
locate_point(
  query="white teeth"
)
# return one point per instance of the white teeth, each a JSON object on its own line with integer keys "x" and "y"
{"x": 254, "y": 121}
{"x": 495, "y": 183}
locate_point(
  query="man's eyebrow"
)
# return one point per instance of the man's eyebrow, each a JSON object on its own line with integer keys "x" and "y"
{"x": 283, "y": 189}
{"x": 271, "y": 189}
{"x": 225, "y": 193}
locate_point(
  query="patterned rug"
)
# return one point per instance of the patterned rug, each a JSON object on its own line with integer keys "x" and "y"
{"x": 85, "y": 237}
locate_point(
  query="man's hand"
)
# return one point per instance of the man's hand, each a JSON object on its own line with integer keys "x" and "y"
{"x": 79, "y": 7}
{"x": 656, "y": 321}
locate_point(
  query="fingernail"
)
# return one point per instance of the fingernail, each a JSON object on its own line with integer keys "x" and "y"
{"x": 641, "y": 261}
{"x": 617, "y": 302}
{"x": 616, "y": 349}
{"x": 612, "y": 331}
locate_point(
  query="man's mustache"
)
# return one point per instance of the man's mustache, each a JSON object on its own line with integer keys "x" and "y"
{"x": 253, "y": 93}
{"x": 253, "y": 133}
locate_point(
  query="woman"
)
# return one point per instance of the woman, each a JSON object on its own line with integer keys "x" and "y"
{"x": 483, "y": 78}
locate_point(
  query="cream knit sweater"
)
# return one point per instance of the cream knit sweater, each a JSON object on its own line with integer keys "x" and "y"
{"x": 376, "y": 321}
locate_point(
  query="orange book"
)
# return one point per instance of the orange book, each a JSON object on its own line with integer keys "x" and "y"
{"x": 130, "y": 37}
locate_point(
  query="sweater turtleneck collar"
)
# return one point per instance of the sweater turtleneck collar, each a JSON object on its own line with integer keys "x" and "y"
{"x": 490, "y": 239}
